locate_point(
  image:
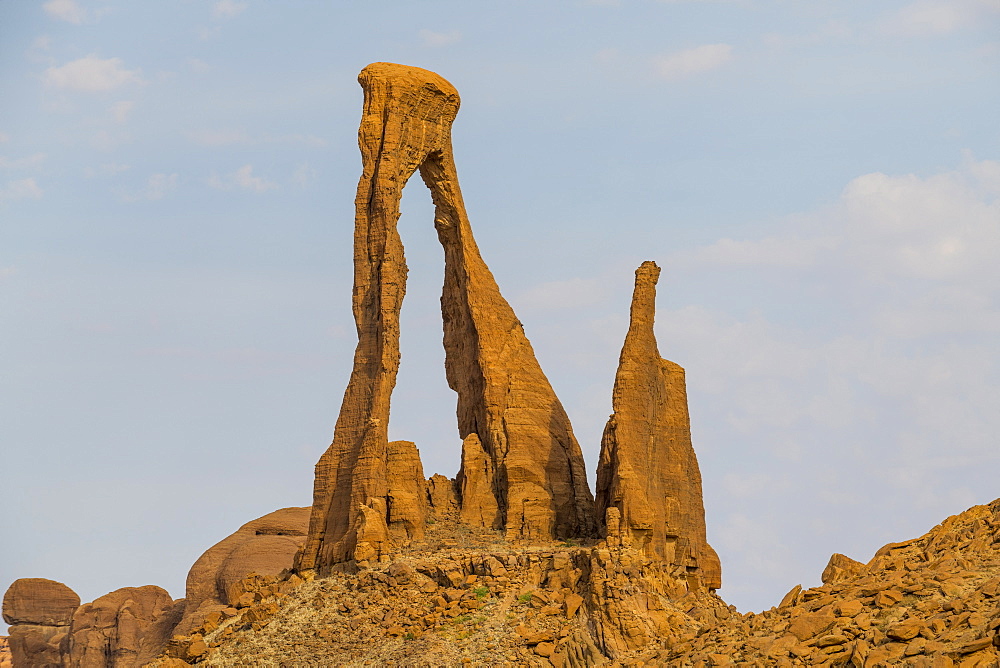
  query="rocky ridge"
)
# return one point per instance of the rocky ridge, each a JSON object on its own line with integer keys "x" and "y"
{"x": 930, "y": 602}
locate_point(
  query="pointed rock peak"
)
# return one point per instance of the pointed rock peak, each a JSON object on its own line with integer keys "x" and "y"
{"x": 648, "y": 484}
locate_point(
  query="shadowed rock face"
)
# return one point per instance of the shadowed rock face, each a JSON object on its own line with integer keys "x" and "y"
{"x": 538, "y": 479}
{"x": 648, "y": 473}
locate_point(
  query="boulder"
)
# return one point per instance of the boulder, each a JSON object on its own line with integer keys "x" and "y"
{"x": 124, "y": 629}
{"x": 648, "y": 471}
{"x": 840, "y": 568}
{"x": 264, "y": 544}
{"x": 39, "y": 601}
{"x": 39, "y": 612}
{"x": 539, "y": 479}
{"x": 407, "y": 508}
{"x": 441, "y": 497}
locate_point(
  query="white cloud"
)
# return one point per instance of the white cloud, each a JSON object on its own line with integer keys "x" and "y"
{"x": 29, "y": 162}
{"x": 693, "y": 61}
{"x": 65, "y": 10}
{"x": 157, "y": 186}
{"x": 227, "y": 9}
{"x": 91, "y": 74}
{"x": 4, "y": 137}
{"x": 789, "y": 251}
{"x": 120, "y": 110}
{"x": 20, "y": 189}
{"x": 940, "y": 227}
{"x": 243, "y": 179}
{"x": 436, "y": 39}
{"x": 938, "y": 17}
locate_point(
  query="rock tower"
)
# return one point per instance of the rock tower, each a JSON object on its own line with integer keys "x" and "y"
{"x": 648, "y": 482}
{"x": 514, "y": 429}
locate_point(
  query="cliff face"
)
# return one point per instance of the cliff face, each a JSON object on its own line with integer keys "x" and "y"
{"x": 536, "y": 473}
{"x": 648, "y": 473}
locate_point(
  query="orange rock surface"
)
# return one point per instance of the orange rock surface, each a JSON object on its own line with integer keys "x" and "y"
{"x": 126, "y": 628}
{"x": 648, "y": 471}
{"x": 538, "y": 479}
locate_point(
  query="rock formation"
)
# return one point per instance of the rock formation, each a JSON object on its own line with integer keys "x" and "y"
{"x": 408, "y": 499}
{"x": 925, "y": 603}
{"x": 39, "y": 612}
{"x": 537, "y": 473}
{"x": 266, "y": 546}
{"x": 124, "y": 629}
{"x": 648, "y": 482}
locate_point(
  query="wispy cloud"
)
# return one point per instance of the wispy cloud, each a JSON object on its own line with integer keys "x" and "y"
{"x": 938, "y": 17}
{"x": 121, "y": 110}
{"x": 686, "y": 63}
{"x": 227, "y": 9}
{"x": 231, "y": 136}
{"x": 243, "y": 179}
{"x": 28, "y": 162}
{"x": 157, "y": 187}
{"x": 91, "y": 74}
{"x": 107, "y": 169}
{"x": 304, "y": 176}
{"x": 20, "y": 189}
{"x": 65, "y": 10}
{"x": 437, "y": 39}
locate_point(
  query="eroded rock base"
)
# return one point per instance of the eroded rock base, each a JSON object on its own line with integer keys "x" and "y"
{"x": 466, "y": 597}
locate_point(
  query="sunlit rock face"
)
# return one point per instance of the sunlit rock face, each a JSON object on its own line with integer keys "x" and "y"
{"x": 648, "y": 473}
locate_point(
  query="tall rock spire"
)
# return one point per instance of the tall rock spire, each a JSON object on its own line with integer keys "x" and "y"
{"x": 648, "y": 482}
{"x": 536, "y": 469}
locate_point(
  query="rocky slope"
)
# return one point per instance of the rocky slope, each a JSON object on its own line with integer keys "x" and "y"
{"x": 477, "y": 600}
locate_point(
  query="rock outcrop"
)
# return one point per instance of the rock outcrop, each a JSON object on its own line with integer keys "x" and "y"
{"x": 408, "y": 500}
{"x": 648, "y": 483}
{"x": 124, "y": 629}
{"x": 266, "y": 546}
{"x": 5, "y": 659}
{"x": 39, "y": 612}
{"x": 538, "y": 478}
{"x": 925, "y": 603}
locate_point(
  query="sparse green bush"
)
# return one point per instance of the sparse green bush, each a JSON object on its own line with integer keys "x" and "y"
{"x": 481, "y": 592}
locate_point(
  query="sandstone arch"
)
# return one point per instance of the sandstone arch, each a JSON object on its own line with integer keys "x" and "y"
{"x": 536, "y": 469}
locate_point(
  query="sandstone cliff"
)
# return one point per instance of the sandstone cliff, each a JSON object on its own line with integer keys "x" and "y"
{"x": 536, "y": 472}
{"x": 648, "y": 472}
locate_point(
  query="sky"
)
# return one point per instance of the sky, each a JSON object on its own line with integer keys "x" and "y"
{"x": 820, "y": 182}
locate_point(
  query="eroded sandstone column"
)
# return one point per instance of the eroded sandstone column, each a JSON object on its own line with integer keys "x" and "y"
{"x": 648, "y": 474}
{"x": 539, "y": 480}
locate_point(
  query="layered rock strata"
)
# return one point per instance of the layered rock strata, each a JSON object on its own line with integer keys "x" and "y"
{"x": 537, "y": 475}
{"x": 648, "y": 482}
{"x": 39, "y": 612}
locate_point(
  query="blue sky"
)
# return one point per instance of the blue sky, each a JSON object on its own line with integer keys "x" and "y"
{"x": 818, "y": 180}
